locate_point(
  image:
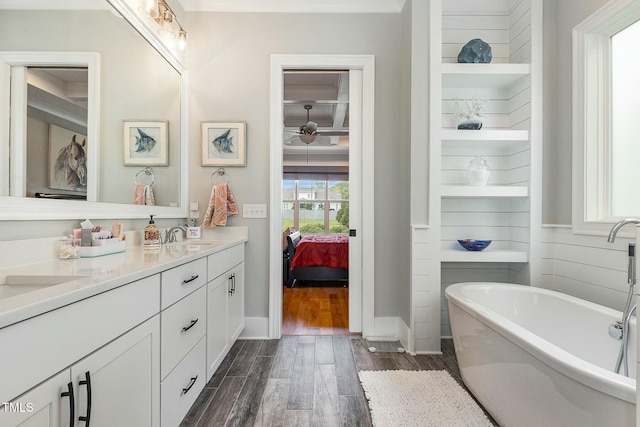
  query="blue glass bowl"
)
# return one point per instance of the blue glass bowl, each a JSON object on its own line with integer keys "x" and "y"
{"x": 474, "y": 245}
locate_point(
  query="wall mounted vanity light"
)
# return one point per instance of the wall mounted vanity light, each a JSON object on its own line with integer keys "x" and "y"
{"x": 168, "y": 25}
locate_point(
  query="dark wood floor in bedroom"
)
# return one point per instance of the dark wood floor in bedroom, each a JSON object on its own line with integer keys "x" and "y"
{"x": 300, "y": 381}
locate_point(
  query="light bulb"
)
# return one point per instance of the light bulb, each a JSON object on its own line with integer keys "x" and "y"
{"x": 307, "y": 139}
{"x": 182, "y": 41}
{"x": 166, "y": 25}
{"x": 151, "y": 8}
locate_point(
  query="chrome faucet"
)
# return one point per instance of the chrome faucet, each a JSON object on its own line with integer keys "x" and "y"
{"x": 620, "y": 329}
{"x": 170, "y": 234}
{"x": 618, "y": 225}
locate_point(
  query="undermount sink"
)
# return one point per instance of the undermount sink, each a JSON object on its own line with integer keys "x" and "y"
{"x": 21, "y": 284}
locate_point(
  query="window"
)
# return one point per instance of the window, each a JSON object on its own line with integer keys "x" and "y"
{"x": 625, "y": 133}
{"x": 315, "y": 206}
{"x": 606, "y": 95}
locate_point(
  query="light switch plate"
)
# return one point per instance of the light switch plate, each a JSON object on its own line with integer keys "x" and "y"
{"x": 254, "y": 211}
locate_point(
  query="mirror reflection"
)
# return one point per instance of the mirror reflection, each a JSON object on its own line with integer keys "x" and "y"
{"x": 57, "y": 132}
{"x": 138, "y": 91}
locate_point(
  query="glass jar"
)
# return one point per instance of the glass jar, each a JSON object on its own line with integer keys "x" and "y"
{"x": 478, "y": 172}
{"x": 68, "y": 248}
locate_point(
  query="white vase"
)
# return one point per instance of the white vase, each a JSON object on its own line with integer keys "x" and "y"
{"x": 478, "y": 172}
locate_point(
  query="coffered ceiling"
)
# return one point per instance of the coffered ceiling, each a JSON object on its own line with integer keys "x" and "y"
{"x": 327, "y": 92}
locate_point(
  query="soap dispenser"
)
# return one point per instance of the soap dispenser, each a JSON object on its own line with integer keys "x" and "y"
{"x": 151, "y": 235}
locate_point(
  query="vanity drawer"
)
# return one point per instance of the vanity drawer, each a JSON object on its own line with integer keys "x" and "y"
{"x": 225, "y": 260}
{"x": 183, "y": 324}
{"x": 181, "y": 281}
{"x": 183, "y": 385}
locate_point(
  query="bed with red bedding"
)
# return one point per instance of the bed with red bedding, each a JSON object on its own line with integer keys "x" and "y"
{"x": 318, "y": 258}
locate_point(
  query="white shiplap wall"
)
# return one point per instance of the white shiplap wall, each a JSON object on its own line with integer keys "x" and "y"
{"x": 587, "y": 267}
{"x": 506, "y": 26}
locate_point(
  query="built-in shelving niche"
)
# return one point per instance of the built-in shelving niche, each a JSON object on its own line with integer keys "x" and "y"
{"x": 500, "y": 211}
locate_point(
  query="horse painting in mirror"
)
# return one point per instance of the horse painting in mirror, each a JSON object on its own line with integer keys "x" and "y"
{"x": 70, "y": 169}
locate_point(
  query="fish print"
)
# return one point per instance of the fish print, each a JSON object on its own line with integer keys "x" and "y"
{"x": 144, "y": 142}
{"x": 224, "y": 143}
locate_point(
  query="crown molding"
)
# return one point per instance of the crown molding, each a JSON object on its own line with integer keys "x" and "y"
{"x": 294, "y": 6}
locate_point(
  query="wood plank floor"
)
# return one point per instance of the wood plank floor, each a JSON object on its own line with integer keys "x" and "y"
{"x": 300, "y": 381}
{"x": 315, "y": 311}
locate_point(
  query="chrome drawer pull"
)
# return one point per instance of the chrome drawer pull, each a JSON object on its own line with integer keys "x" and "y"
{"x": 191, "y": 325}
{"x": 191, "y": 383}
{"x": 184, "y": 282}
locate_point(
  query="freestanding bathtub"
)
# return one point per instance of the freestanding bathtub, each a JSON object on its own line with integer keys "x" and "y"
{"x": 535, "y": 357}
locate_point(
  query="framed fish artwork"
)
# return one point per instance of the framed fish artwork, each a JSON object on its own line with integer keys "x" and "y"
{"x": 224, "y": 144}
{"x": 146, "y": 143}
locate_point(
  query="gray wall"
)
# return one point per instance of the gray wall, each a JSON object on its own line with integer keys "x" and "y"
{"x": 229, "y": 62}
{"x": 560, "y": 18}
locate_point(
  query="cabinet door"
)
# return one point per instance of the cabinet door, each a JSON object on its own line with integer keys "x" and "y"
{"x": 236, "y": 302}
{"x": 122, "y": 380}
{"x": 217, "y": 326}
{"x": 43, "y": 406}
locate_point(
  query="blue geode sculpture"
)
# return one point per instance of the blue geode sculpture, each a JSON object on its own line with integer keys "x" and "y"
{"x": 475, "y": 51}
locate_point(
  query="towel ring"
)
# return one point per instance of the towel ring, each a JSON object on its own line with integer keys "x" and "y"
{"x": 219, "y": 172}
{"x": 147, "y": 171}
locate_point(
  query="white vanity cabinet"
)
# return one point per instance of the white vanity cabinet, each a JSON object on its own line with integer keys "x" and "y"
{"x": 225, "y": 303}
{"x": 183, "y": 353}
{"x": 133, "y": 355}
{"x": 70, "y": 344}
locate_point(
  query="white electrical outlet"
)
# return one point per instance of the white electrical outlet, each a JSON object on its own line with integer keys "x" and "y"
{"x": 254, "y": 211}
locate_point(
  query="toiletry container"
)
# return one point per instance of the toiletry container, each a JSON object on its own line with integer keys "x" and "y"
{"x": 151, "y": 235}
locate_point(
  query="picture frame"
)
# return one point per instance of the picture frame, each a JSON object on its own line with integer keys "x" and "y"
{"x": 146, "y": 143}
{"x": 224, "y": 144}
{"x": 67, "y": 160}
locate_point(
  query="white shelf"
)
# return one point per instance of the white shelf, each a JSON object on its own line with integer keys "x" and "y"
{"x": 487, "y": 255}
{"x": 507, "y": 135}
{"x": 486, "y": 191}
{"x": 482, "y": 75}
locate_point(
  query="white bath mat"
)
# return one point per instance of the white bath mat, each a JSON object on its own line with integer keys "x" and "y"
{"x": 420, "y": 399}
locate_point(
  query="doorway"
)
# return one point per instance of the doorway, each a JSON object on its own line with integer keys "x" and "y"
{"x": 360, "y": 166}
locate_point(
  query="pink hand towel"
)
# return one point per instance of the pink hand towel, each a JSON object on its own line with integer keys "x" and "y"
{"x": 221, "y": 205}
{"x": 143, "y": 195}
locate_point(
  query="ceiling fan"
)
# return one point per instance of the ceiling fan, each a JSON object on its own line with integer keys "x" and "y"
{"x": 308, "y": 133}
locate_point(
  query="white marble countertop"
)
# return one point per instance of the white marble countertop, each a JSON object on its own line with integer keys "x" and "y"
{"x": 103, "y": 273}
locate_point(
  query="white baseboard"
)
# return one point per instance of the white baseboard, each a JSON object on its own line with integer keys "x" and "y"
{"x": 391, "y": 326}
{"x": 255, "y": 328}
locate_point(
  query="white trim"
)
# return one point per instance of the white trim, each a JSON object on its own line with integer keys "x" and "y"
{"x": 255, "y": 328}
{"x": 294, "y": 6}
{"x": 279, "y": 63}
{"x": 13, "y": 79}
{"x": 590, "y": 127}
{"x": 391, "y": 326}
{"x": 355, "y": 203}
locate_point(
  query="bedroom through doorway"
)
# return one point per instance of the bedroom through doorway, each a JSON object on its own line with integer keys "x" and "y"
{"x": 315, "y": 202}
